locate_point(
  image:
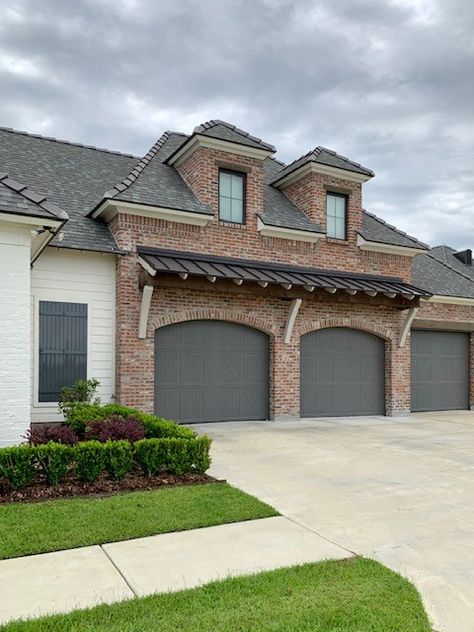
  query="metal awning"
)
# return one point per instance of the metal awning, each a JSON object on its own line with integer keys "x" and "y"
{"x": 187, "y": 264}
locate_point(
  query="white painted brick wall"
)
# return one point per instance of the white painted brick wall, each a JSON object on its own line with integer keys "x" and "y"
{"x": 15, "y": 240}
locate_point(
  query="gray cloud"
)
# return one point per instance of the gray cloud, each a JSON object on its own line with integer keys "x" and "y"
{"x": 388, "y": 83}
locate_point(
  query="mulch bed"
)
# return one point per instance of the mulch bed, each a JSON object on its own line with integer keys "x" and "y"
{"x": 103, "y": 486}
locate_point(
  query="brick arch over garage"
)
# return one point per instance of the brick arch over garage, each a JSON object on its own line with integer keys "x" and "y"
{"x": 213, "y": 314}
{"x": 350, "y": 323}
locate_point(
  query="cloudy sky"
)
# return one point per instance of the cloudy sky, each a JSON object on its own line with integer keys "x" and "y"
{"x": 387, "y": 83}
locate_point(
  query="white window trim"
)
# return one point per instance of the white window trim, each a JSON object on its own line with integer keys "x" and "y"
{"x": 390, "y": 249}
{"x": 287, "y": 233}
{"x": 60, "y": 297}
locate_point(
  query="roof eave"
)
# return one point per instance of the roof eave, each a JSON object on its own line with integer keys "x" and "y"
{"x": 197, "y": 140}
{"x": 282, "y": 232}
{"x": 317, "y": 167}
{"x": 393, "y": 249}
{"x": 108, "y": 208}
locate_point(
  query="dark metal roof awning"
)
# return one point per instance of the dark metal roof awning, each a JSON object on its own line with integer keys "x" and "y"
{"x": 240, "y": 271}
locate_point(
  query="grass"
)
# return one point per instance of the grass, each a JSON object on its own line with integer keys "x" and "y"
{"x": 355, "y": 595}
{"x": 28, "y": 528}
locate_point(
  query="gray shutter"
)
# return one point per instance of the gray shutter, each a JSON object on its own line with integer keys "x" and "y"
{"x": 62, "y": 347}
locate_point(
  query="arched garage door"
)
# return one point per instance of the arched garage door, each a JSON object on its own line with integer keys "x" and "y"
{"x": 209, "y": 370}
{"x": 342, "y": 373}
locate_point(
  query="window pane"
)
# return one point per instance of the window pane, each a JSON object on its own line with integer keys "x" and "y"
{"x": 340, "y": 228}
{"x": 331, "y": 226}
{"x": 237, "y": 211}
{"x": 237, "y": 187}
{"x": 225, "y": 183}
{"x": 340, "y": 207}
{"x": 331, "y": 204}
{"x": 225, "y": 208}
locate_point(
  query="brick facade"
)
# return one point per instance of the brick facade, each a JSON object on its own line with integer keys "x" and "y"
{"x": 171, "y": 304}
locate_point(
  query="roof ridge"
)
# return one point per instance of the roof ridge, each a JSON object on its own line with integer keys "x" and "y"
{"x": 11, "y": 130}
{"x": 280, "y": 162}
{"x": 450, "y": 267}
{"x": 30, "y": 195}
{"x": 141, "y": 165}
{"x": 397, "y": 230}
{"x": 214, "y": 122}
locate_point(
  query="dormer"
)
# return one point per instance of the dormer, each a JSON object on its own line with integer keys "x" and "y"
{"x": 327, "y": 187}
{"x": 223, "y": 166}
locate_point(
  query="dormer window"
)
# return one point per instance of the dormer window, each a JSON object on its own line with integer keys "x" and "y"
{"x": 232, "y": 196}
{"x": 336, "y": 215}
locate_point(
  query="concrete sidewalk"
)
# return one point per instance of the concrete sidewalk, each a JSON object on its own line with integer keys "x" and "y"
{"x": 79, "y": 578}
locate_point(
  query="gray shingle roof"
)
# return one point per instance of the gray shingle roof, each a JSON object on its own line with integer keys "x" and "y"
{"x": 438, "y": 272}
{"x": 376, "y": 229}
{"x": 72, "y": 176}
{"x": 154, "y": 183}
{"x": 278, "y": 210}
{"x": 227, "y": 131}
{"x": 327, "y": 157}
{"x": 18, "y": 199}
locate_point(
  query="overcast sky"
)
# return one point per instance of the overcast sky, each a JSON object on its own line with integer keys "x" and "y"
{"x": 389, "y": 84}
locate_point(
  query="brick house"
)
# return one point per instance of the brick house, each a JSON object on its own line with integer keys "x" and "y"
{"x": 211, "y": 282}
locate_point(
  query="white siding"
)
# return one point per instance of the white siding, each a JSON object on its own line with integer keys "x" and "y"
{"x": 15, "y": 318}
{"x": 77, "y": 277}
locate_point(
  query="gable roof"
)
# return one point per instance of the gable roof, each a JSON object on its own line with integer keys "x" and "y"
{"x": 154, "y": 183}
{"x": 440, "y": 272}
{"x": 71, "y": 176}
{"x": 376, "y": 229}
{"x": 327, "y": 157}
{"x": 18, "y": 199}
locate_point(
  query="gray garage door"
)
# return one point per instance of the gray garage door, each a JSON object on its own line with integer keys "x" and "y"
{"x": 439, "y": 370}
{"x": 211, "y": 371}
{"x": 342, "y": 373}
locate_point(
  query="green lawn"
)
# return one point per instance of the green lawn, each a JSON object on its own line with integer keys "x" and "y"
{"x": 28, "y": 528}
{"x": 356, "y": 595}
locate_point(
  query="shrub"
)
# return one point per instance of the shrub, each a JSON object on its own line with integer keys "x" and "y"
{"x": 16, "y": 465}
{"x": 54, "y": 460}
{"x": 44, "y": 433}
{"x": 174, "y": 455}
{"x": 115, "y": 428}
{"x": 81, "y": 392}
{"x": 89, "y": 460}
{"x": 118, "y": 458}
{"x": 155, "y": 427}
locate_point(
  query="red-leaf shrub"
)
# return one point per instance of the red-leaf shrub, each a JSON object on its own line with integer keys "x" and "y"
{"x": 45, "y": 433}
{"x": 115, "y": 428}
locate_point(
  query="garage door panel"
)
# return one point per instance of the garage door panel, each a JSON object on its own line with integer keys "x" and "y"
{"x": 440, "y": 370}
{"x": 342, "y": 373}
{"x": 211, "y": 371}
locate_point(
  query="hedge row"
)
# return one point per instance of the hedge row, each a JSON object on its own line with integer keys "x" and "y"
{"x": 22, "y": 465}
{"x": 155, "y": 427}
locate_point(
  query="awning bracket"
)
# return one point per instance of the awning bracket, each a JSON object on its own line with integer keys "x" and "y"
{"x": 410, "y": 317}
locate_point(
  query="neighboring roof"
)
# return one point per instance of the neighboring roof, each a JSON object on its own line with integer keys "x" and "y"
{"x": 376, "y": 229}
{"x": 440, "y": 272}
{"x": 323, "y": 156}
{"x": 154, "y": 183}
{"x": 175, "y": 262}
{"x": 227, "y": 131}
{"x": 72, "y": 176}
{"x": 278, "y": 209}
{"x": 18, "y": 199}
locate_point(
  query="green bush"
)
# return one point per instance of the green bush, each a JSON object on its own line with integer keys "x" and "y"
{"x": 118, "y": 458}
{"x": 89, "y": 460}
{"x": 54, "y": 460}
{"x": 155, "y": 427}
{"x": 17, "y": 466}
{"x": 81, "y": 392}
{"x": 174, "y": 455}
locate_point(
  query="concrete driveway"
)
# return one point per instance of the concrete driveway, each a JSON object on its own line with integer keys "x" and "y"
{"x": 400, "y": 491}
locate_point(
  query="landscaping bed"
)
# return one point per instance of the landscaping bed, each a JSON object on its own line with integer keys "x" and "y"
{"x": 39, "y": 490}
